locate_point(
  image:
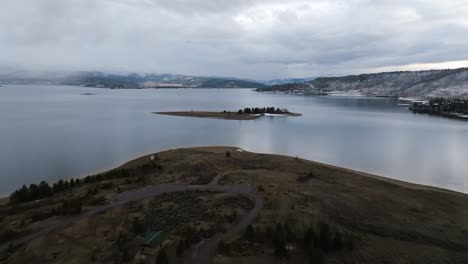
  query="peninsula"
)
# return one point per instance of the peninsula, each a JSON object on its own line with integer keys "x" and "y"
{"x": 241, "y": 114}
{"x": 227, "y": 205}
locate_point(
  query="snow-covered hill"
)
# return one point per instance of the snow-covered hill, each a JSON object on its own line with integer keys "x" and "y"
{"x": 453, "y": 82}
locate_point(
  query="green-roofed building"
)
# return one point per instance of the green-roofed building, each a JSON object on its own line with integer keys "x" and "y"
{"x": 153, "y": 239}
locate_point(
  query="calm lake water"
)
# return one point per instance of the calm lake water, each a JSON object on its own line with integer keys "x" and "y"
{"x": 53, "y": 132}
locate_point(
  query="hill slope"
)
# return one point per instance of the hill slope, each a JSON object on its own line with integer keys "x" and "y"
{"x": 430, "y": 83}
{"x": 311, "y": 212}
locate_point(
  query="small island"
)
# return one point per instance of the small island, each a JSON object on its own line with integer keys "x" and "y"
{"x": 241, "y": 114}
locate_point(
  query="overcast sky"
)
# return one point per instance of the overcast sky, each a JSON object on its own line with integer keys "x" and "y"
{"x": 243, "y": 38}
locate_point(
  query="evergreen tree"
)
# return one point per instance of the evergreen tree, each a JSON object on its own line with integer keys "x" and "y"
{"x": 316, "y": 255}
{"x": 44, "y": 189}
{"x": 180, "y": 249}
{"x": 325, "y": 236}
{"x": 279, "y": 241}
{"x": 310, "y": 238}
{"x": 249, "y": 233}
{"x": 162, "y": 258}
{"x": 337, "y": 243}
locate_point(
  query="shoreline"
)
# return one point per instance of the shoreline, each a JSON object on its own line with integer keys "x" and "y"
{"x": 448, "y": 115}
{"x": 224, "y": 115}
{"x": 361, "y": 96}
{"x": 419, "y": 186}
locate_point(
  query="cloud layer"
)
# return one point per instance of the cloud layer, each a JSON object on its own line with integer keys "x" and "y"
{"x": 245, "y": 38}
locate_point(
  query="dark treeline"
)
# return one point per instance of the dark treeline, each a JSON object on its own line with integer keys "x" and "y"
{"x": 44, "y": 190}
{"x": 441, "y": 106}
{"x": 260, "y": 110}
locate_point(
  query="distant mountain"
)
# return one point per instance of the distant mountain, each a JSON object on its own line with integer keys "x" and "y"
{"x": 432, "y": 83}
{"x": 26, "y": 77}
{"x": 284, "y": 81}
{"x": 129, "y": 81}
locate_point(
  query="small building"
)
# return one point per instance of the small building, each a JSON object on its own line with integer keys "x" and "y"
{"x": 153, "y": 239}
{"x": 152, "y": 243}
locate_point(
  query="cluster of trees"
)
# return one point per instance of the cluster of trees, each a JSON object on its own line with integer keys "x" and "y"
{"x": 450, "y": 105}
{"x": 268, "y": 110}
{"x": 442, "y": 105}
{"x": 316, "y": 244}
{"x": 42, "y": 190}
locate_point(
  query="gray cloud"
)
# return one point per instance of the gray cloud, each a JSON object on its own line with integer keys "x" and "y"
{"x": 244, "y": 38}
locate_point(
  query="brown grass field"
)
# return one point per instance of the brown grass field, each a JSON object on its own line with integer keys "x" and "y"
{"x": 388, "y": 221}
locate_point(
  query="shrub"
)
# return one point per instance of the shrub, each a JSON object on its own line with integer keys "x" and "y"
{"x": 42, "y": 215}
{"x": 280, "y": 247}
{"x": 8, "y": 234}
{"x": 138, "y": 226}
{"x": 69, "y": 207}
{"x": 337, "y": 243}
{"x": 97, "y": 201}
{"x": 162, "y": 258}
{"x": 316, "y": 255}
{"x": 325, "y": 236}
{"x": 106, "y": 185}
{"x": 180, "y": 249}
{"x": 310, "y": 238}
{"x": 289, "y": 234}
{"x": 279, "y": 241}
{"x": 249, "y": 233}
{"x": 223, "y": 247}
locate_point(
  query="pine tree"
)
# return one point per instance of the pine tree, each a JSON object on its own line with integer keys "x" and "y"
{"x": 249, "y": 233}
{"x": 162, "y": 258}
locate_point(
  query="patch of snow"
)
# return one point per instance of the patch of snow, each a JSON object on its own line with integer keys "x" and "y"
{"x": 267, "y": 114}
